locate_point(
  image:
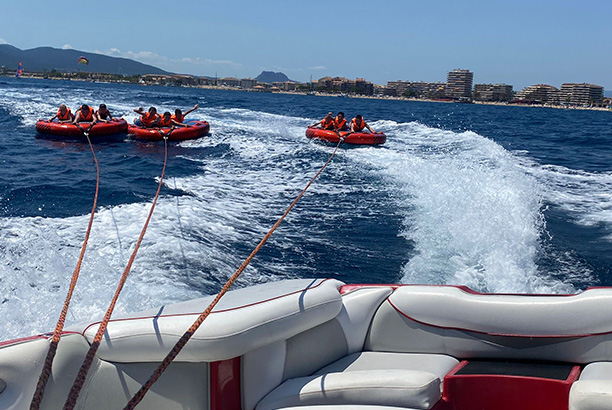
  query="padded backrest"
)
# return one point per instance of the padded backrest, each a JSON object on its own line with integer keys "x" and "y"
{"x": 108, "y": 385}
{"x": 244, "y": 320}
{"x": 305, "y": 353}
{"x": 463, "y": 324}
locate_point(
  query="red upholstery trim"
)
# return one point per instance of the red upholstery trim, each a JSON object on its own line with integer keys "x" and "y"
{"x": 225, "y": 385}
{"x": 493, "y": 333}
{"x": 30, "y": 338}
{"x": 505, "y": 392}
{"x": 349, "y": 288}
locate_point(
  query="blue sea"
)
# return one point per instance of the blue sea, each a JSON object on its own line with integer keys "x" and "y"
{"x": 500, "y": 199}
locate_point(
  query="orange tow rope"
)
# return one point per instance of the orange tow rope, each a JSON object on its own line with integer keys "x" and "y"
{"x": 81, "y": 376}
{"x": 46, "y": 370}
{"x": 187, "y": 335}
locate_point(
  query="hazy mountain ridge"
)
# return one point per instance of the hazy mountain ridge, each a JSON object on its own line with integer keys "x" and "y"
{"x": 48, "y": 58}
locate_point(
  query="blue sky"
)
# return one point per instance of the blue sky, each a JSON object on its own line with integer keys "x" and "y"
{"x": 520, "y": 43}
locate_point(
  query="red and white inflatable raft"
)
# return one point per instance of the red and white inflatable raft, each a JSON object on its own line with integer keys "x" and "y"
{"x": 195, "y": 129}
{"x": 116, "y": 126}
{"x": 357, "y": 138}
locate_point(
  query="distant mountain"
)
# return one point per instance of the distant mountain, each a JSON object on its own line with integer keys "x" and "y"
{"x": 271, "y": 77}
{"x": 48, "y": 58}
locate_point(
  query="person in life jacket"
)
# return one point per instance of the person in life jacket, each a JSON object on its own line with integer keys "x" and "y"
{"x": 85, "y": 114}
{"x": 326, "y": 123}
{"x": 63, "y": 114}
{"x": 340, "y": 122}
{"x": 165, "y": 120}
{"x": 358, "y": 124}
{"x": 103, "y": 114}
{"x": 178, "y": 117}
{"x": 147, "y": 119}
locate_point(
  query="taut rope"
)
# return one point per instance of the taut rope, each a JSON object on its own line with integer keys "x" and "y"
{"x": 82, "y": 375}
{"x": 46, "y": 370}
{"x": 189, "y": 333}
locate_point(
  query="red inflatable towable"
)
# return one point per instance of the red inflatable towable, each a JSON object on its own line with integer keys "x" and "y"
{"x": 357, "y": 138}
{"x": 115, "y": 126}
{"x": 195, "y": 130}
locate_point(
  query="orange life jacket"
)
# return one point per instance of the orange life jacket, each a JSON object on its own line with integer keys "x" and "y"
{"x": 148, "y": 118}
{"x": 339, "y": 124}
{"x": 104, "y": 114}
{"x": 358, "y": 127}
{"x": 178, "y": 119}
{"x": 88, "y": 116}
{"x": 165, "y": 123}
{"x": 327, "y": 123}
{"x": 64, "y": 117}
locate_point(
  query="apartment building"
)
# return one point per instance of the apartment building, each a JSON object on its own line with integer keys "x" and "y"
{"x": 581, "y": 94}
{"x": 229, "y": 82}
{"x": 541, "y": 93}
{"x": 459, "y": 84}
{"x": 493, "y": 92}
{"x": 344, "y": 85}
{"x": 360, "y": 86}
{"x": 248, "y": 83}
{"x": 286, "y": 85}
{"x": 415, "y": 89}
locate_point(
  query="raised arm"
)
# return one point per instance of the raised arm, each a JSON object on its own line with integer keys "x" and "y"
{"x": 195, "y": 107}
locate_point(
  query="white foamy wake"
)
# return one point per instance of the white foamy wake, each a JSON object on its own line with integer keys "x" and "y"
{"x": 472, "y": 211}
{"x": 586, "y": 196}
{"x": 190, "y": 246}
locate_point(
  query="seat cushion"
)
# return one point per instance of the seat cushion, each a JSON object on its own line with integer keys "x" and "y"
{"x": 597, "y": 371}
{"x": 593, "y": 391}
{"x": 437, "y": 364}
{"x": 591, "y": 395}
{"x": 389, "y": 387}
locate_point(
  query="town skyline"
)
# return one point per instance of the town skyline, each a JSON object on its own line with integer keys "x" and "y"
{"x": 522, "y": 43}
{"x": 66, "y": 61}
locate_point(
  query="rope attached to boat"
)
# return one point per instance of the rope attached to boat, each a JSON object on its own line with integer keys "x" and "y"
{"x": 46, "y": 370}
{"x": 82, "y": 375}
{"x": 189, "y": 333}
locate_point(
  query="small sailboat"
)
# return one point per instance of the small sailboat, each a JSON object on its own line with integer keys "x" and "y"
{"x": 19, "y": 70}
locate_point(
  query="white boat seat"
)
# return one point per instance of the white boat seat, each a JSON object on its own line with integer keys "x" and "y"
{"x": 593, "y": 390}
{"x": 367, "y": 378}
{"x": 437, "y": 364}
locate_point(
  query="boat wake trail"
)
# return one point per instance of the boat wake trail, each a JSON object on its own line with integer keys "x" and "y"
{"x": 472, "y": 212}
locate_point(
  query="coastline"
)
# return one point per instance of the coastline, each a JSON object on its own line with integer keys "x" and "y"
{"x": 323, "y": 94}
{"x": 374, "y": 97}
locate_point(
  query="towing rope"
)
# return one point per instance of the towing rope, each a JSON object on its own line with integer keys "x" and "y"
{"x": 46, "y": 370}
{"x": 82, "y": 375}
{"x": 189, "y": 333}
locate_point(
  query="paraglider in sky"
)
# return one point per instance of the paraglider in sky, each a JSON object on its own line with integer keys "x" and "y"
{"x": 83, "y": 60}
{"x": 19, "y": 70}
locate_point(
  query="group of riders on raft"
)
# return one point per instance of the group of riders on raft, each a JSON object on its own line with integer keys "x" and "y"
{"x": 151, "y": 119}
{"x": 148, "y": 119}
{"x": 339, "y": 123}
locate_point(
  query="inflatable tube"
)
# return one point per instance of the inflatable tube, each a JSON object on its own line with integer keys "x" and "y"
{"x": 195, "y": 130}
{"x": 114, "y": 126}
{"x": 357, "y": 138}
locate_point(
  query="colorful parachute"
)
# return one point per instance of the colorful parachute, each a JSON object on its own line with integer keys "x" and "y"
{"x": 83, "y": 60}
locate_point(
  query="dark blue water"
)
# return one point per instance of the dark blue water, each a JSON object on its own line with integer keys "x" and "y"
{"x": 502, "y": 199}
